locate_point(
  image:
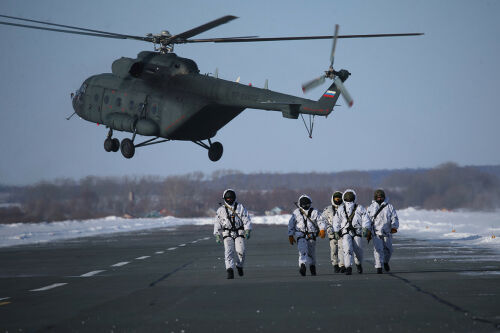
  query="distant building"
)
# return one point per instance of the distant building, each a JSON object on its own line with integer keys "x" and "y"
{"x": 274, "y": 211}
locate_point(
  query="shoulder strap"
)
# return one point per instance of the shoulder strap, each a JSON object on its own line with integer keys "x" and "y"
{"x": 351, "y": 217}
{"x": 379, "y": 210}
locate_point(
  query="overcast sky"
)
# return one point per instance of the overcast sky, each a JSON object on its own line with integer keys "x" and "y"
{"x": 418, "y": 101}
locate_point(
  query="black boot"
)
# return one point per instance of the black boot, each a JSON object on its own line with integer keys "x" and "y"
{"x": 230, "y": 273}
{"x": 240, "y": 270}
{"x": 386, "y": 267}
{"x": 379, "y": 270}
{"x": 348, "y": 271}
{"x": 302, "y": 269}
{"x": 359, "y": 268}
{"x": 342, "y": 269}
{"x": 336, "y": 268}
{"x": 312, "y": 268}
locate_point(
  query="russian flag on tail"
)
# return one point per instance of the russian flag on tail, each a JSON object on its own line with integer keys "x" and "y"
{"x": 329, "y": 94}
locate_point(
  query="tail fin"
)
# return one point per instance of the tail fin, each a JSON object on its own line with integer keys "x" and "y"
{"x": 329, "y": 98}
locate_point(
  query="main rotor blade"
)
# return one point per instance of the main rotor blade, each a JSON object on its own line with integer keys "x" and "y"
{"x": 65, "y": 31}
{"x": 313, "y": 83}
{"x": 66, "y": 26}
{"x": 202, "y": 28}
{"x": 343, "y": 91}
{"x": 272, "y": 39}
{"x": 220, "y": 40}
{"x": 335, "y": 36}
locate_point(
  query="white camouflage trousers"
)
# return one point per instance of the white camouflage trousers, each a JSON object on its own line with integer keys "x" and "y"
{"x": 234, "y": 252}
{"x": 307, "y": 251}
{"x": 382, "y": 250}
{"x": 336, "y": 252}
{"x": 352, "y": 244}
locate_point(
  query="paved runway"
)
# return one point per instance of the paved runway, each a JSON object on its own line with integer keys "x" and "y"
{"x": 174, "y": 281}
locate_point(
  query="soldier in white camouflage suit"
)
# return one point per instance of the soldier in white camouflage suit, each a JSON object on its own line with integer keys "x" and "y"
{"x": 336, "y": 252}
{"x": 385, "y": 223}
{"x": 306, "y": 224}
{"x": 351, "y": 223}
{"x": 232, "y": 226}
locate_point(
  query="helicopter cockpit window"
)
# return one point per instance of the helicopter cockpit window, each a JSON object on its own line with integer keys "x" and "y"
{"x": 106, "y": 99}
{"x": 83, "y": 88}
{"x": 118, "y": 102}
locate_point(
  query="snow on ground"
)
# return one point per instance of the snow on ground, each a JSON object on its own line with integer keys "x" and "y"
{"x": 464, "y": 228}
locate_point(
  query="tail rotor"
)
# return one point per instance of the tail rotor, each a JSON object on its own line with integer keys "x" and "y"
{"x": 338, "y": 77}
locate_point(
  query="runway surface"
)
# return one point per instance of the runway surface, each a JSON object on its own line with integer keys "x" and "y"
{"x": 174, "y": 281}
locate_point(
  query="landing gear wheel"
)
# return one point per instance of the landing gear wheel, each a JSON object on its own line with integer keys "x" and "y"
{"x": 128, "y": 148}
{"x": 115, "y": 145}
{"x": 108, "y": 145}
{"x": 215, "y": 151}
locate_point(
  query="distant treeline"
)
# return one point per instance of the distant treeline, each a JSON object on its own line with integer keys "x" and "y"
{"x": 448, "y": 186}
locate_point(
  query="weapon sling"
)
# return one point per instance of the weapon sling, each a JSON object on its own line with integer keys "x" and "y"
{"x": 379, "y": 210}
{"x": 382, "y": 206}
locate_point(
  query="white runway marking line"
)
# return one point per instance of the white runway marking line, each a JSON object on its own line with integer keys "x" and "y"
{"x": 4, "y": 301}
{"x": 142, "y": 258}
{"x": 181, "y": 245}
{"x": 171, "y": 248}
{"x": 55, "y": 285}
{"x": 193, "y": 242}
{"x": 89, "y": 274}
{"x": 206, "y": 238}
{"x": 159, "y": 252}
{"x": 123, "y": 263}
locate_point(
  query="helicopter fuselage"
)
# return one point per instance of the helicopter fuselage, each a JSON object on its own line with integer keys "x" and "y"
{"x": 164, "y": 95}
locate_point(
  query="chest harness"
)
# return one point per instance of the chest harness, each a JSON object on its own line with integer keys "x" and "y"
{"x": 382, "y": 206}
{"x": 350, "y": 227}
{"x": 232, "y": 219}
{"x": 307, "y": 234}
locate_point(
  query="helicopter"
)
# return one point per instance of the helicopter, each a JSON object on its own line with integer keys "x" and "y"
{"x": 163, "y": 96}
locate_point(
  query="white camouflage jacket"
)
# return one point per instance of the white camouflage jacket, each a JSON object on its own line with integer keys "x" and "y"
{"x": 359, "y": 221}
{"x": 224, "y": 216}
{"x": 386, "y": 219}
{"x": 328, "y": 215}
{"x": 300, "y": 226}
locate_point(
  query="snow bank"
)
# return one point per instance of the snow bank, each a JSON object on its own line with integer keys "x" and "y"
{"x": 466, "y": 228}
{"x": 462, "y": 227}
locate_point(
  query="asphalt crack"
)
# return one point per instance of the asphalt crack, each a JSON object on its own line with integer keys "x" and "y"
{"x": 446, "y": 303}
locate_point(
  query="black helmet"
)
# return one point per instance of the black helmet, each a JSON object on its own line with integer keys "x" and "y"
{"x": 349, "y": 196}
{"x": 305, "y": 202}
{"x": 229, "y": 196}
{"x": 379, "y": 196}
{"x": 337, "y": 198}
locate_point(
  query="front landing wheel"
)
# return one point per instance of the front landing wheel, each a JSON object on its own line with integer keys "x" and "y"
{"x": 215, "y": 151}
{"x": 127, "y": 148}
{"x": 115, "y": 145}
